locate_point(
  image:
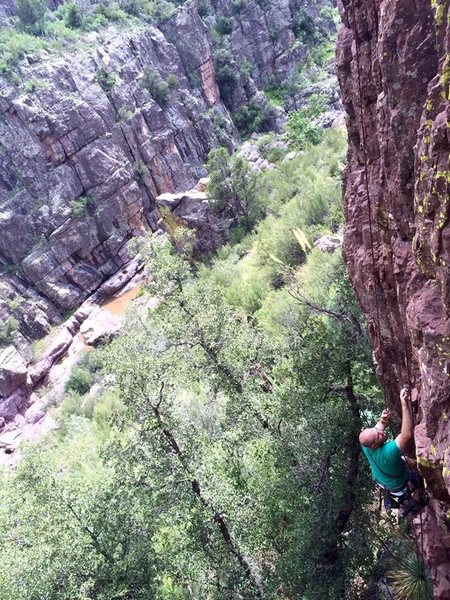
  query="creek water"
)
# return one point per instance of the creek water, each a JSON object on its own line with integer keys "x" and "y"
{"x": 117, "y": 306}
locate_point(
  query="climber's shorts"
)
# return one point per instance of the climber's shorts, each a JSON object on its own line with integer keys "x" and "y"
{"x": 415, "y": 479}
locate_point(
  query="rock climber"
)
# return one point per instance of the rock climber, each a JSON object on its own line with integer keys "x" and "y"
{"x": 395, "y": 474}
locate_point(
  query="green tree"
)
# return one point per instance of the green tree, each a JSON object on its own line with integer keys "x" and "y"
{"x": 32, "y": 16}
{"x": 158, "y": 89}
{"x": 300, "y": 129}
{"x": 73, "y": 17}
{"x": 233, "y": 188}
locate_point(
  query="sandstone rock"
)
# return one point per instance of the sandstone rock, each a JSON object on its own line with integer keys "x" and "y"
{"x": 100, "y": 325}
{"x": 59, "y": 345}
{"x": 11, "y": 405}
{"x": 202, "y": 184}
{"x": 329, "y": 243}
{"x": 13, "y": 371}
{"x": 397, "y": 253}
{"x": 192, "y": 210}
{"x": 331, "y": 118}
{"x": 8, "y": 438}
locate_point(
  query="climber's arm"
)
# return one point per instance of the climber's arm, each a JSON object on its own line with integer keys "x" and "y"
{"x": 384, "y": 420}
{"x": 406, "y": 432}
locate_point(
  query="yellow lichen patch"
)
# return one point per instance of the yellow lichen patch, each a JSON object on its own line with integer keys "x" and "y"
{"x": 443, "y": 175}
{"x": 428, "y": 122}
{"x": 429, "y": 105}
{"x": 423, "y": 158}
{"x": 433, "y": 450}
{"x": 439, "y": 14}
{"x": 445, "y": 417}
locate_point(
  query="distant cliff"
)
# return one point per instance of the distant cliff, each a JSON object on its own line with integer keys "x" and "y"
{"x": 394, "y": 71}
{"x": 93, "y": 131}
{"x": 87, "y": 144}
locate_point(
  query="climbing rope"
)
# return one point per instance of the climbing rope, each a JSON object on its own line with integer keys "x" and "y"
{"x": 372, "y": 253}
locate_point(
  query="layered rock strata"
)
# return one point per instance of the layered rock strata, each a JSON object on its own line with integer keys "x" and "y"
{"x": 84, "y": 155}
{"x": 394, "y": 72}
{"x": 86, "y": 145}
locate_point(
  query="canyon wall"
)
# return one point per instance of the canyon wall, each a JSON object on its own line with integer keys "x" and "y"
{"x": 85, "y": 146}
{"x": 93, "y": 130}
{"x": 394, "y": 73}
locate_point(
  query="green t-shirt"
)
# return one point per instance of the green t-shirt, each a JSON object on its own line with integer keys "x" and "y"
{"x": 387, "y": 465}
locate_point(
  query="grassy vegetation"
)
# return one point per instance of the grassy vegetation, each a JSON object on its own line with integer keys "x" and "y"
{"x": 300, "y": 130}
{"x": 36, "y": 28}
{"x": 299, "y": 195}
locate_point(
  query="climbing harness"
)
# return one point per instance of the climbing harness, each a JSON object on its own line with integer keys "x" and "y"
{"x": 372, "y": 252}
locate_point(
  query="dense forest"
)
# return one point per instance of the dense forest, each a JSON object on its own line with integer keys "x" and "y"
{"x": 210, "y": 451}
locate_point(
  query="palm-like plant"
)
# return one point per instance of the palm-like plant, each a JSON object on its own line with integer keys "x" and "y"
{"x": 408, "y": 576}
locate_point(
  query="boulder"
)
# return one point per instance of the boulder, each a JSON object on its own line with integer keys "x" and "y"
{"x": 13, "y": 371}
{"x": 329, "y": 243}
{"x": 13, "y": 404}
{"x": 100, "y": 325}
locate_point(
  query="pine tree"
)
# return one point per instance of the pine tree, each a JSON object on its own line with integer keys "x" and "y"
{"x": 32, "y": 16}
{"x": 74, "y": 18}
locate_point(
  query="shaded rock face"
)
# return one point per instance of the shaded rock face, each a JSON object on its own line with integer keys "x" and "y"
{"x": 8, "y": 8}
{"x": 393, "y": 67}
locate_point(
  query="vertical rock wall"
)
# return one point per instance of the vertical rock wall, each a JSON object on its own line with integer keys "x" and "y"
{"x": 394, "y": 72}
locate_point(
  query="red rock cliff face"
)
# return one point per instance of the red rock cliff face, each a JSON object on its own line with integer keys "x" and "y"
{"x": 394, "y": 71}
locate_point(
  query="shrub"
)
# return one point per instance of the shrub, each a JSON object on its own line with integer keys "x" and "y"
{"x": 32, "y": 16}
{"x": 84, "y": 375}
{"x": 408, "y": 574}
{"x": 105, "y": 79}
{"x": 233, "y": 189}
{"x": 274, "y": 154}
{"x": 202, "y": 9}
{"x": 155, "y": 85}
{"x": 237, "y": 5}
{"x": 253, "y": 118}
{"x": 9, "y": 268}
{"x": 14, "y": 45}
{"x": 194, "y": 79}
{"x": 225, "y": 73}
{"x": 304, "y": 29}
{"x": 140, "y": 170}
{"x": 123, "y": 114}
{"x": 9, "y": 327}
{"x": 73, "y": 18}
{"x": 94, "y": 22}
{"x": 79, "y": 206}
{"x": 112, "y": 11}
{"x": 246, "y": 68}
{"x": 224, "y": 25}
{"x": 80, "y": 381}
{"x": 35, "y": 84}
{"x": 133, "y": 7}
{"x": 300, "y": 131}
{"x": 172, "y": 81}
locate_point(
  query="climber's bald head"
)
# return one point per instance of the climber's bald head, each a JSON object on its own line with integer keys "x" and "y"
{"x": 372, "y": 438}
